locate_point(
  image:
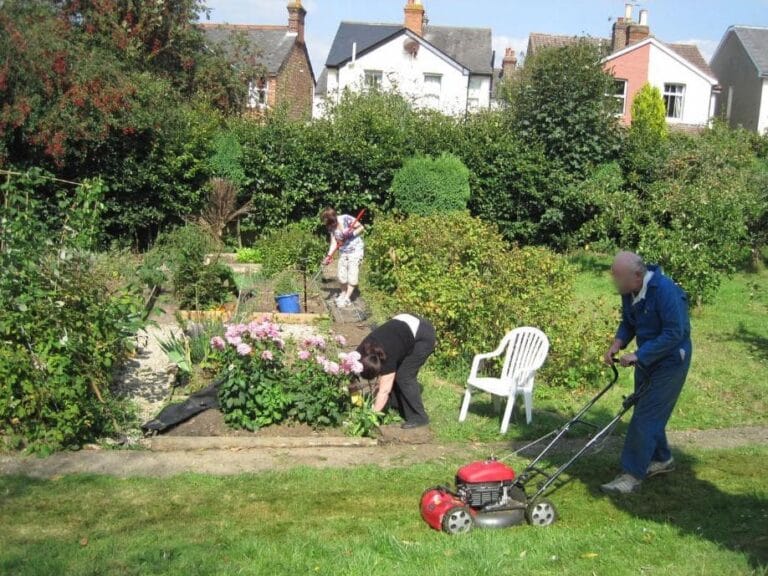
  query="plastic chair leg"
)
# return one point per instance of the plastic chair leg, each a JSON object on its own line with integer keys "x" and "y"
{"x": 528, "y": 395}
{"x": 465, "y": 405}
{"x": 507, "y": 414}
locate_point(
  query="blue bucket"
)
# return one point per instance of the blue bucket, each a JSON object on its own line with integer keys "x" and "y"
{"x": 288, "y": 303}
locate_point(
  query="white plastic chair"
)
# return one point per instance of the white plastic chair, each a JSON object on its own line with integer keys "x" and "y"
{"x": 525, "y": 350}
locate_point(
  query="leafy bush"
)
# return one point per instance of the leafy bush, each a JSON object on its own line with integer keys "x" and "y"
{"x": 251, "y": 255}
{"x": 426, "y": 185}
{"x": 65, "y": 323}
{"x": 292, "y": 246}
{"x": 458, "y": 272}
{"x": 262, "y": 387}
{"x": 198, "y": 283}
{"x": 697, "y": 217}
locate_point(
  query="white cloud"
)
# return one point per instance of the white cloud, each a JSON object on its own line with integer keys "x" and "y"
{"x": 501, "y": 43}
{"x": 707, "y": 47}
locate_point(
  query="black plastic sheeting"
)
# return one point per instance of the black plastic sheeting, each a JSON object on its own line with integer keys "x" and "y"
{"x": 175, "y": 414}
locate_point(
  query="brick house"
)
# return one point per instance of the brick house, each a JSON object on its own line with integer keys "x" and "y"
{"x": 283, "y": 75}
{"x": 635, "y": 58}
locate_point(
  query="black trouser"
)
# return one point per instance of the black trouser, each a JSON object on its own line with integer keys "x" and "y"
{"x": 406, "y": 393}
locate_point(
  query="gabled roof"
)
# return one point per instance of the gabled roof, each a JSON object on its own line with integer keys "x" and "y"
{"x": 472, "y": 48}
{"x": 273, "y": 44}
{"x": 538, "y": 41}
{"x": 322, "y": 83}
{"x": 365, "y": 35}
{"x": 689, "y": 52}
{"x": 755, "y": 42}
{"x": 693, "y": 55}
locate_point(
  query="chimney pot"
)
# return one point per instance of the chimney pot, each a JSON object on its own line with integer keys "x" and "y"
{"x": 296, "y": 18}
{"x": 509, "y": 63}
{"x": 415, "y": 17}
{"x": 643, "y": 17}
{"x": 628, "y": 11}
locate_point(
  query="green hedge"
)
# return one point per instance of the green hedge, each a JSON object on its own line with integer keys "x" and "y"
{"x": 426, "y": 185}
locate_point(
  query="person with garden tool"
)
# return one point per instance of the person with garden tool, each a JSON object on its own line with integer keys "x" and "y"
{"x": 393, "y": 354}
{"x": 345, "y": 232}
{"x": 655, "y": 314}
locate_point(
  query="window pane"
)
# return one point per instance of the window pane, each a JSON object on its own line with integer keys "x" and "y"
{"x": 373, "y": 78}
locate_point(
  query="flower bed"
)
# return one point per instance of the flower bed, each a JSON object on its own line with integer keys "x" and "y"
{"x": 271, "y": 379}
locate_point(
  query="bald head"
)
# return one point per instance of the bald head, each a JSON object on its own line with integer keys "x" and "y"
{"x": 628, "y": 271}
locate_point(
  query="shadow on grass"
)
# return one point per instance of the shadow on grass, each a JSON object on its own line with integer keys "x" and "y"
{"x": 590, "y": 263}
{"x": 695, "y": 506}
{"x": 757, "y": 343}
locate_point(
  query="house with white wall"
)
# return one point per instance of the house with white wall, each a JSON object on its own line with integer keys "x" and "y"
{"x": 442, "y": 68}
{"x": 741, "y": 65}
{"x": 636, "y": 58}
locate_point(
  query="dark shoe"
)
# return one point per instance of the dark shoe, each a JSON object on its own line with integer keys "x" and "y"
{"x": 414, "y": 424}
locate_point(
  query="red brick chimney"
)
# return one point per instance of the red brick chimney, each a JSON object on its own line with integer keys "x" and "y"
{"x": 619, "y": 36}
{"x": 415, "y": 16}
{"x": 296, "y": 16}
{"x": 509, "y": 64}
{"x": 638, "y": 31}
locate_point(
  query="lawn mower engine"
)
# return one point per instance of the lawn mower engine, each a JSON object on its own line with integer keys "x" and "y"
{"x": 486, "y": 496}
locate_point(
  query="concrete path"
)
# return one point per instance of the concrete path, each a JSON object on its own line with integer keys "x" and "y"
{"x": 224, "y": 456}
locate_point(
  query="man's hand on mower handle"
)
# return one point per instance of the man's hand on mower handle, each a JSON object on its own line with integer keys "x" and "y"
{"x": 610, "y": 355}
{"x": 628, "y": 360}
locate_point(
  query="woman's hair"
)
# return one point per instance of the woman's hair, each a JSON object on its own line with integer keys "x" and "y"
{"x": 328, "y": 218}
{"x": 372, "y": 357}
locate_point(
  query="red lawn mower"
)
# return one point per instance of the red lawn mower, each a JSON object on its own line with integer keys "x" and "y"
{"x": 489, "y": 494}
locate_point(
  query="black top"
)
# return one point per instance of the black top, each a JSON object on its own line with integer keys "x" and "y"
{"x": 397, "y": 340}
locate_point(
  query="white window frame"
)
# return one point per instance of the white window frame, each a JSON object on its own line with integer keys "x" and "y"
{"x": 431, "y": 96}
{"x": 670, "y": 92}
{"x": 258, "y": 96}
{"x": 621, "y": 97}
{"x": 373, "y": 79}
{"x": 474, "y": 93}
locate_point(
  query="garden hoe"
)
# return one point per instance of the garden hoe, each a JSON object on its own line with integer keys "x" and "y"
{"x": 489, "y": 494}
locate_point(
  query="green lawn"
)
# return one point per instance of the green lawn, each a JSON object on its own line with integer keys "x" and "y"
{"x": 707, "y": 518}
{"x": 727, "y": 385}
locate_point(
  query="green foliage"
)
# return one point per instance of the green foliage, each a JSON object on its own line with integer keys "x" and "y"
{"x": 252, "y": 255}
{"x": 646, "y": 146}
{"x": 559, "y": 101}
{"x": 65, "y": 322}
{"x": 458, "y": 272}
{"x": 698, "y": 218}
{"x": 426, "y": 185}
{"x": 649, "y": 120}
{"x": 260, "y": 386}
{"x": 226, "y": 161}
{"x": 292, "y": 246}
{"x": 318, "y": 398}
{"x": 198, "y": 282}
{"x": 362, "y": 420}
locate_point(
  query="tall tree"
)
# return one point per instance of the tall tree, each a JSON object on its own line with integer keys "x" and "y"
{"x": 561, "y": 100}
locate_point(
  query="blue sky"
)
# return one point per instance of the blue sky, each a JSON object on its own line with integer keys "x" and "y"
{"x": 699, "y": 21}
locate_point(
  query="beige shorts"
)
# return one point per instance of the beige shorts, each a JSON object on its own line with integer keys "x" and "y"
{"x": 349, "y": 267}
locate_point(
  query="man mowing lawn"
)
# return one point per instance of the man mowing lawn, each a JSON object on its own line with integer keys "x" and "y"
{"x": 345, "y": 232}
{"x": 655, "y": 313}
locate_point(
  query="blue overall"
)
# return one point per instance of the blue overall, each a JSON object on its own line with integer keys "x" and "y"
{"x": 659, "y": 323}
